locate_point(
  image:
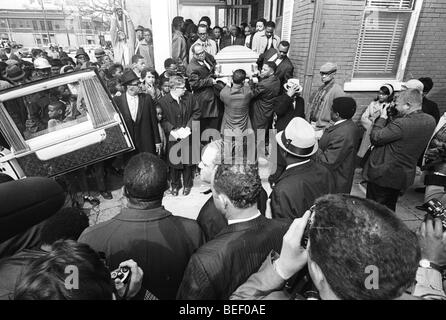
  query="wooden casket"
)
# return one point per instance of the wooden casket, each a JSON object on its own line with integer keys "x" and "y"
{"x": 89, "y": 127}
{"x": 232, "y": 58}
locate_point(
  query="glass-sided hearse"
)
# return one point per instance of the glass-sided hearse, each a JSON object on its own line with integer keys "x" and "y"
{"x": 57, "y": 125}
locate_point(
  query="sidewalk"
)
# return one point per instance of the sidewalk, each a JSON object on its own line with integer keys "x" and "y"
{"x": 189, "y": 206}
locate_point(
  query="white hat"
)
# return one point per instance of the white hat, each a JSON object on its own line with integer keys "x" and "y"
{"x": 413, "y": 84}
{"x": 298, "y": 138}
{"x": 41, "y": 63}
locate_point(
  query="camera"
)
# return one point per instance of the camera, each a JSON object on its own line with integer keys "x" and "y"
{"x": 306, "y": 235}
{"x": 392, "y": 111}
{"x": 122, "y": 274}
{"x": 438, "y": 210}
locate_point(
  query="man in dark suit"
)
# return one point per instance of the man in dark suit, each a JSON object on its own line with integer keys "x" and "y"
{"x": 144, "y": 231}
{"x": 200, "y": 71}
{"x": 303, "y": 180}
{"x": 210, "y": 219}
{"x": 233, "y": 39}
{"x": 264, "y": 94}
{"x": 139, "y": 115}
{"x": 179, "y": 110}
{"x": 338, "y": 145}
{"x": 398, "y": 144}
{"x": 286, "y": 107}
{"x": 222, "y": 264}
{"x": 279, "y": 56}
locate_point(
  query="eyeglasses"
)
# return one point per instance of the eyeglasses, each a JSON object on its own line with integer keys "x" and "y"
{"x": 202, "y": 33}
{"x": 326, "y": 73}
{"x": 133, "y": 84}
{"x": 181, "y": 88}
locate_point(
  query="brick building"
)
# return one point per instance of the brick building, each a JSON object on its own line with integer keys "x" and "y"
{"x": 362, "y": 36}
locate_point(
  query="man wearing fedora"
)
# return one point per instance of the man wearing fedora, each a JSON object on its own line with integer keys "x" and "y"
{"x": 82, "y": 59}
{"x": 139, "y": 113}
{"x": 304, "y": 179}
{"x": 287, "y": 106}
{"x": 338, "y": 145}
{"x": 319, "y": 110}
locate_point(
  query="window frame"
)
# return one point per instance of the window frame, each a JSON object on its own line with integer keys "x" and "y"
{"x": 367, "y": 84}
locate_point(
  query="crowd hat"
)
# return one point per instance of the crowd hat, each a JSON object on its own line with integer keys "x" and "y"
{"x": 80, "y": 52}
{"x": 139, "y": 28}
{"x": 99, "y": 52}
{"x": 14, "y": 73}
{"x": 128, "y": 76}
{"x": 329, "y": 67}
{"x": 66, "y": 69}
{"x": 298, "y": 138}
{"x": 41, "y": 63}
{"x": 413, "y": 84}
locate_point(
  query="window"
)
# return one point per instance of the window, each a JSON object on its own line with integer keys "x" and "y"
{"x": 382, "y": 36}
{"x": 42, "y": 25}
{"x": 50, "y": 25}
{"x": 35, "y": 27}
{"x": 384, "y": 42}
{"x": 3, "y": 23}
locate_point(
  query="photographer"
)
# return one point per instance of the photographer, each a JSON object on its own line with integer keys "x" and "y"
{"x": 398, "y": 144}
{"x": 357, "y": 250}
{"x": 47, "y": 279}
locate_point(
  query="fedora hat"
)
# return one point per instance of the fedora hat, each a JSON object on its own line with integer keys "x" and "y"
{"x": 128, "y": 76}
{"x": 298, "y": 138}
{"x": 80, "y": 52}
{"x": 14, "y": 73}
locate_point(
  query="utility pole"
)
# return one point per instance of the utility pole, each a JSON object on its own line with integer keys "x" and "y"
{"x": 65, "y": 21}
{"x": 45, "y": 20}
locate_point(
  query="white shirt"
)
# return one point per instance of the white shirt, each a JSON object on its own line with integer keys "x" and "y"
{"x": 244, "y": 220}
{"x": 297, "y": 164}
{"x": 132, "y": 102}
{"x": 175, "y": 98}
{"x": 339, "y": 121}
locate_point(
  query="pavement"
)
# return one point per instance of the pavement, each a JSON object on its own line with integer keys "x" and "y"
{"x": 189, "y": 206}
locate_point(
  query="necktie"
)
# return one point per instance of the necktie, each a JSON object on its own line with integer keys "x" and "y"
{"x": 268, "y": 44}
{"x": 218, "y": 44}
{"x": 232, "y": 40}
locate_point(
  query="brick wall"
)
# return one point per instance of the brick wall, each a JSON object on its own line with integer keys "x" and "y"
{"x": 341, "y": 20}
{"x": 428, "y": 54}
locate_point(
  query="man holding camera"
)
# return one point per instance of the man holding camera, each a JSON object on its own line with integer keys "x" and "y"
{"x": 397, "y": 145}
{"x": 357, "y": 250}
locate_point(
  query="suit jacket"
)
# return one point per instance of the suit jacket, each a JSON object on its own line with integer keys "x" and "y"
{"x": 159, "y": 242}
{"x": 144, "y": 131}
{"x": 227, "y": 41}
{"x": 431, "y": 108}
{"x": 285, "y": 110}
{"x": 397, "y": 147}
{"x": 236, "y": 99}
{"x": 298, "y": 187}
{"x": 179, "y": 46}
{"x": 224, "y": 263}
{"x": 262, "y": 103}
{"x": 337, "y": 150}
{"x": 202, "y": 86}
{"x": 284, "y": 70}
{"x": 260, "y": 41}
{"x": 179, "y": 116}
{"x": 212, "y": 222}
{"x": 209, "y": 46}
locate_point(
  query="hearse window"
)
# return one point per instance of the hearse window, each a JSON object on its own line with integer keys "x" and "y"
{"x": 59, "y": 109}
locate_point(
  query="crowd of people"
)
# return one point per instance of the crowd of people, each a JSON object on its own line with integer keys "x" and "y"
{"x": 329, "y": 241}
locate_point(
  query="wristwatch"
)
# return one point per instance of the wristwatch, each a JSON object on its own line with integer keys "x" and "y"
{"x": 424, "y": 263}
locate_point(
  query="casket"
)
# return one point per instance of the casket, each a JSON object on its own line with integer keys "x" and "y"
{"x": 232, "y": 58}
{"x": 88, "y": 127}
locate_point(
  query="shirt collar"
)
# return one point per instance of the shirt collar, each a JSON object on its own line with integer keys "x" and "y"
{"x": 339, "y": 121}
{"x": 297, "y": 164}
{"x": 234, "y": 221}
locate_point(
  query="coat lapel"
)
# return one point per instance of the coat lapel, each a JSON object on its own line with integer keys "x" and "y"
{"x": 141, "y": 100}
